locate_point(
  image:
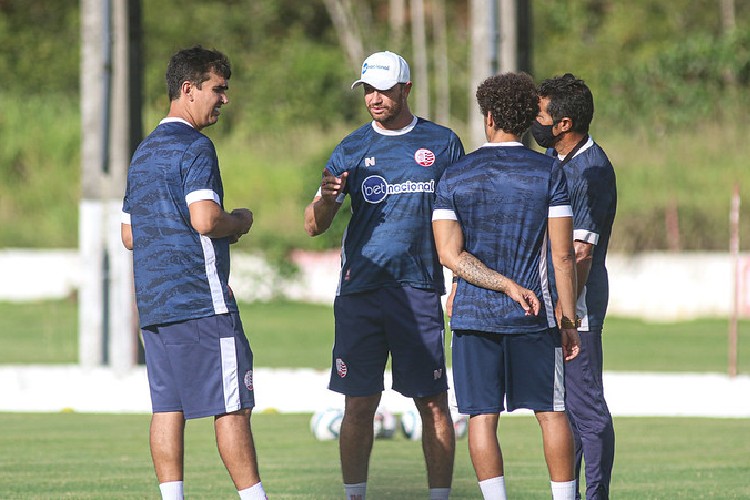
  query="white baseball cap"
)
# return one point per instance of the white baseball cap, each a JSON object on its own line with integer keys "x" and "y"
{"x": 383, "y": 70}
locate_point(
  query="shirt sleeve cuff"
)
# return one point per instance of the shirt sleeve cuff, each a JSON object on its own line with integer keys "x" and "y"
{"x": 443, "y": 214}
{"x": 202, "y": 195}
{"x": 585, "y": 236}
{"x": 560, "y": 211}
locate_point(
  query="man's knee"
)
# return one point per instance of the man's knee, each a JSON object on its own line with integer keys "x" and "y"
{"x": 360, "y": 409}
{"x": 434, "y": 408}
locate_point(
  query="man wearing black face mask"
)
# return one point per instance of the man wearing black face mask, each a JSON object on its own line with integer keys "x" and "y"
{"x": 566, "y": 110}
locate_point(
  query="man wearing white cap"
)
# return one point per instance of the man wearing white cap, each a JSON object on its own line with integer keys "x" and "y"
{"x": 388, "y": 298}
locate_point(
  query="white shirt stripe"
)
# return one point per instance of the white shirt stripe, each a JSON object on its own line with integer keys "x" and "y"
{"x": 212, "y": 273}
{"x": 544, "y": 279}
{"x": 558, "y": 402}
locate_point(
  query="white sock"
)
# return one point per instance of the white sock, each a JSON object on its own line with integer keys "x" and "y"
{"x": 563, "y": 491}
{"x": 254, "y": 492}
{"x": 355, "y": 491}
{"x": 440, "y": 493}
{"x": 171, "y": 490}
{"x": 493, "y": 488}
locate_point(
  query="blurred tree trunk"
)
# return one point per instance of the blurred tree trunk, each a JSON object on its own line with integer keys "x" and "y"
{"x": 728, "y": 20}
{"x": 397, "y": 18}
{"x": 440, "y": 44}
{"x": 419, "y": 44}
{"x": 483, "y": 63}
{"x": 348, "y": 29}
{"x": 508, "y": 37}
{"x": 728, "y": 25}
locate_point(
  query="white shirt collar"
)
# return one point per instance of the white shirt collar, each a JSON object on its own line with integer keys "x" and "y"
{"x": 400, "y": 131}
{"x": 588, "y": 144}
{"x": 174, "y": 119}
{"x": 500, "y": 144}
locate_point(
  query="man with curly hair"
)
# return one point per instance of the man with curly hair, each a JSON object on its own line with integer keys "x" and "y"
{"x": 496, "y": 210}
{"x": 566, "y": 110}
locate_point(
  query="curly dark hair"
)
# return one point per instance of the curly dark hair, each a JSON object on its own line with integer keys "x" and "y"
{"x": 512, "y": 99}
{"x": 571, "y": 97}
{"x": 194, "y": 65}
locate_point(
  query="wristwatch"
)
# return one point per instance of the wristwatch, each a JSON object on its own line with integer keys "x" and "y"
{"x": 566, "y": 322}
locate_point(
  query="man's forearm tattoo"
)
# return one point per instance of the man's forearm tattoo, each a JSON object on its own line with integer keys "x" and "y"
{"x": 475, "y": 272}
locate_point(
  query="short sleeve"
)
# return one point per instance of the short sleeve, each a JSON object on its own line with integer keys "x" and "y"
{"x": 444, "y": 206}
{"x": 591, "y": 212}
{"x": 125, "y": 213}
{"x": 558, "y": 188}
{"x": 456, "y": 148}
{"x": 201, "y": 172}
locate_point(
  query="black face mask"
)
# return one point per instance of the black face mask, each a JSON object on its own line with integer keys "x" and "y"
{"x": 543, "y": 134}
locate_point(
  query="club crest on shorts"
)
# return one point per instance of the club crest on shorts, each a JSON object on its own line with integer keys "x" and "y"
{"x": 437, "y": 374}
{"x": 341, "y": 367}
{"x": 249, "y": 380}
{"x": 424, "y": 157}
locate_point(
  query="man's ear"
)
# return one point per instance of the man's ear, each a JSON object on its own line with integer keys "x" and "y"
{"x": 489, "y": 120}
{"x": 187, "y": 88}
{"x": 565, "y": 125}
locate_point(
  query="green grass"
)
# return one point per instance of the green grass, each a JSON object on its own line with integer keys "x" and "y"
{"x": 696, "y": 174}
{"x": 288, "y": 334}
{"x": 686, "y": 346}
{"x": 89, "y": 456}
{"x": 43, "y": 332}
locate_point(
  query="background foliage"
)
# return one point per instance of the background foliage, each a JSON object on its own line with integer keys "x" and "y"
{"x": 671, "y": 86}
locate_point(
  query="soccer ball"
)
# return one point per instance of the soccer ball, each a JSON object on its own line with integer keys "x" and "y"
{"x": 384, "y": 424}
{"x": 326, "y": 424}
{"x": 460, "y": 423}
{"x": 411, "y": 425}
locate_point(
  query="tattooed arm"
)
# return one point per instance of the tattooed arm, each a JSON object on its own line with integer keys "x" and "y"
{"x": 449, "y": 241}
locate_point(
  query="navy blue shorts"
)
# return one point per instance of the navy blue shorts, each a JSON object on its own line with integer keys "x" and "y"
{"x": 201, "y": 367}
{"x": 406, "y": 323}
{"x": 527, "y": 370}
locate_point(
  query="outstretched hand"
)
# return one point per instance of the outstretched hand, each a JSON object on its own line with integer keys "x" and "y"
{"x": 332, "y": 186}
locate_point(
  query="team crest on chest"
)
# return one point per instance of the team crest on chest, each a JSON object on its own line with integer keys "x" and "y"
{"x": 424, "y": 157}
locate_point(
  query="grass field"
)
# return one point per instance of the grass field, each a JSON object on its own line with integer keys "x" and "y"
{"x": 285, "y": 334}
{"x": 85, "y": 456}
{"x": 90, "y": 456}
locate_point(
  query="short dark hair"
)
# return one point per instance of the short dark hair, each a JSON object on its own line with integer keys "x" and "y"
{"x": 512, "y": 99}
{"x": 195, "y": 65}
{"x": 571, "y": 97}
